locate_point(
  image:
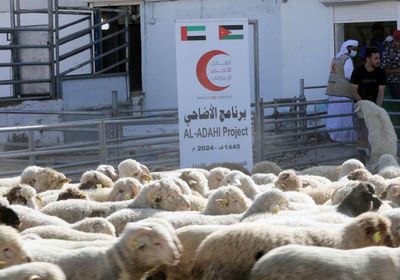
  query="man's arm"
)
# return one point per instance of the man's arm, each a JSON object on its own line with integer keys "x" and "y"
{"x": 381, "y": 94}
{"x": 354, "y": 92}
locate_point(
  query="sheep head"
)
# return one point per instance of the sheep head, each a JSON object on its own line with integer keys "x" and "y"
{"x": 125, "y": 189}
{"x": 11, "y": 248}
{"x": 229, "y": 200}
{"x": 216, "y": 176}
{"x": 150, "y": 245}
{"x": 359, "y": 174}
{"x": 132, "y": 168}
{"x": 165, "y": 194}
{"x": 49, "y": 179}
{"x": 23, "y": 194}
{"x": 94, "y": 180}
{"x": 368, "y": 229}
{"x": 71, "y": 193}
{"x": 109, "y": 171}
{"x": 288, "y": 181}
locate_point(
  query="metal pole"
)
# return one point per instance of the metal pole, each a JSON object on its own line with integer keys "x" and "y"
{"x": 57, "y": 37}
{"x": 13, "y": 51}
{"x": 102, "y": 142}
{"x": 51, "y": 47}
{"x": 31, "y": 143}
{"x": 114, "y": 103}
{"x": 258, "y": 119}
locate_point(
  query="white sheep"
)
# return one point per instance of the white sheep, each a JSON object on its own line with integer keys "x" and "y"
{"x": 297, "y": 262}
{"x": 243, "y": 182}
{"x": 330, "y": 172}
{"x": 33, "y": 271}
{"x": 227, "y": 200}
{"x": 215, "y": 258}
{"x": 163, "y": 194}
{"x": 125, "y": 189}
{"x": 43, "y": 178}
{"x": 381, "y": 134}
{"x": 263, "y": 179}
{"x": 12, "y": 251}
{"x": 216, "y": 176}
{"x": 57, "y": 232}
{"x": 93, "y": 179}
{"x": 108, "y": 170}
{"x": 348, "y": 166}
{"x": 140, "y": 248}
{"x": 266, "y": 167}
{"x": 132, "y": 168}
{"x": 196, "y": 180}
{"x": 23, "y": 194}
{"x": 387, "y": 166}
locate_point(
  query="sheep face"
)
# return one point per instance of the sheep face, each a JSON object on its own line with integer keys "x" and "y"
{"x": 216, "y": 176}
{"x": 368, "y": 229}
{"x": 359, "y": 174}
{"x": 109, "y": 171}
{"x": 49, "y": 179}
{"x": 167, "y": 196}
{"x": 229, "y": 200}
{"x": 94, "y": 180}
{"x": 151, "y": 245}
{"x": 11, "y": 250}
{"x": 288, "y": 181}
{"x": 392, "y": 193}
{"x": 125, "y": 189}
{"x": 197, "y": 181}
{"x": 132, "y": 168}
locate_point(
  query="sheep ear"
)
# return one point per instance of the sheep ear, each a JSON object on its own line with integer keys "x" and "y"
{"x": 34, "y": 277}
{"x": 146, "y": 178}
{"x": 136, "y": 234}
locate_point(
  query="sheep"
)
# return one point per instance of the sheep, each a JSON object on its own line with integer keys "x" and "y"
{"x": 8, "y": 216}
{"x": 190, "y": 237}
{"x": 30, "y": 218}
{"x": 196, "y": 180}
{"x": 23, "y": 194}
{"x": 71, "y": 193}
{"x": 243, "y": 182}
{"x": 197, "y": 203}
{"x": 108, "y": 170}
{"x": 163, "y": 194}
{"x": 330, "y": 172}
{"x": 216, "y": 176}
{"x": 268, "y": 201}
{"x": 387, "y": 166}
{"x": 263, "y": 179}
{"x": 227, "y": 200}
{"x": 288, "y": 180}
{"x": 348, "y": 166}
{"x": 297, "y": 262}
{"x": 381, "y": 134}
{"x": 215, "y": 258}
{"x": 392, "y": 193}
{"x": 43, "y": 178}
{"x": 230, "y": 166}
{"x": 12, "y": 251}
{"x": 94, "y": 179}
{"x": 33, "y": 241}
{"x": 57, "y": 232}
{"x": 125, "y": 189}
{"x": 7, "y": 183}
{"x": 359, "y": 174}
{"x": 132, "y": 168}
{"x": 140, "y": 248}
{"x": 266, "y": 167}
{"x": 33, "y": 271}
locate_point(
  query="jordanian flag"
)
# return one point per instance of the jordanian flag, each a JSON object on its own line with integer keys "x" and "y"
{"x": 230, "y": 32}
{"x": 193, "y": 33}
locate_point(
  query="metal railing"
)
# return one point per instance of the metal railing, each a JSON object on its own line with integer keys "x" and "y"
{"x": 57, "y": 63}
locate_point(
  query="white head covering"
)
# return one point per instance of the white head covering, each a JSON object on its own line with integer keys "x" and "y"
{"x": 343, "y": 49}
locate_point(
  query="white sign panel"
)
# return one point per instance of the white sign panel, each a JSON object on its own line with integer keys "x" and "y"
{"x": 214, "y": 92}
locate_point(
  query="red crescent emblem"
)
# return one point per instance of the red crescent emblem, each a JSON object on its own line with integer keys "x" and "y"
{"x": 201, "y": 70}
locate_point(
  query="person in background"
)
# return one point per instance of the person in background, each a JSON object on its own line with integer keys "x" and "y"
{"x": 339, "y": 89}
{"x": 391, "y": 64}
{"x": 368, "y": 83}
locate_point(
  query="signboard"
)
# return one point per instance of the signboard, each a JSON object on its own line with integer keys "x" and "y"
{"x": 214, "y": 92}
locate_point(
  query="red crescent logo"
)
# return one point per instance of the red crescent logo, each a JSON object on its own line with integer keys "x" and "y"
{"x": 201, "y": 70}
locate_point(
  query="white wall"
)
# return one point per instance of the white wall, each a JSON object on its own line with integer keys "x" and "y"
{"x": 308, "y": 46}
{"x": 158, "y": 42}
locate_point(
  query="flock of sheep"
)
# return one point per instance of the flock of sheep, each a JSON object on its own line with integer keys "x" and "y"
{"x": 224, "y": 222}
{"x": 191, "y": 223}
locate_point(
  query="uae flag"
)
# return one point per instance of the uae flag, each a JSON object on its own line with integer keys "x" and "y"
{"x": 230, "y": 32}
{"x": 193, "y": 33}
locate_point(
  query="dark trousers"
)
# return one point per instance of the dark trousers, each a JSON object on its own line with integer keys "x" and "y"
{"x": 394, "y": 89}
